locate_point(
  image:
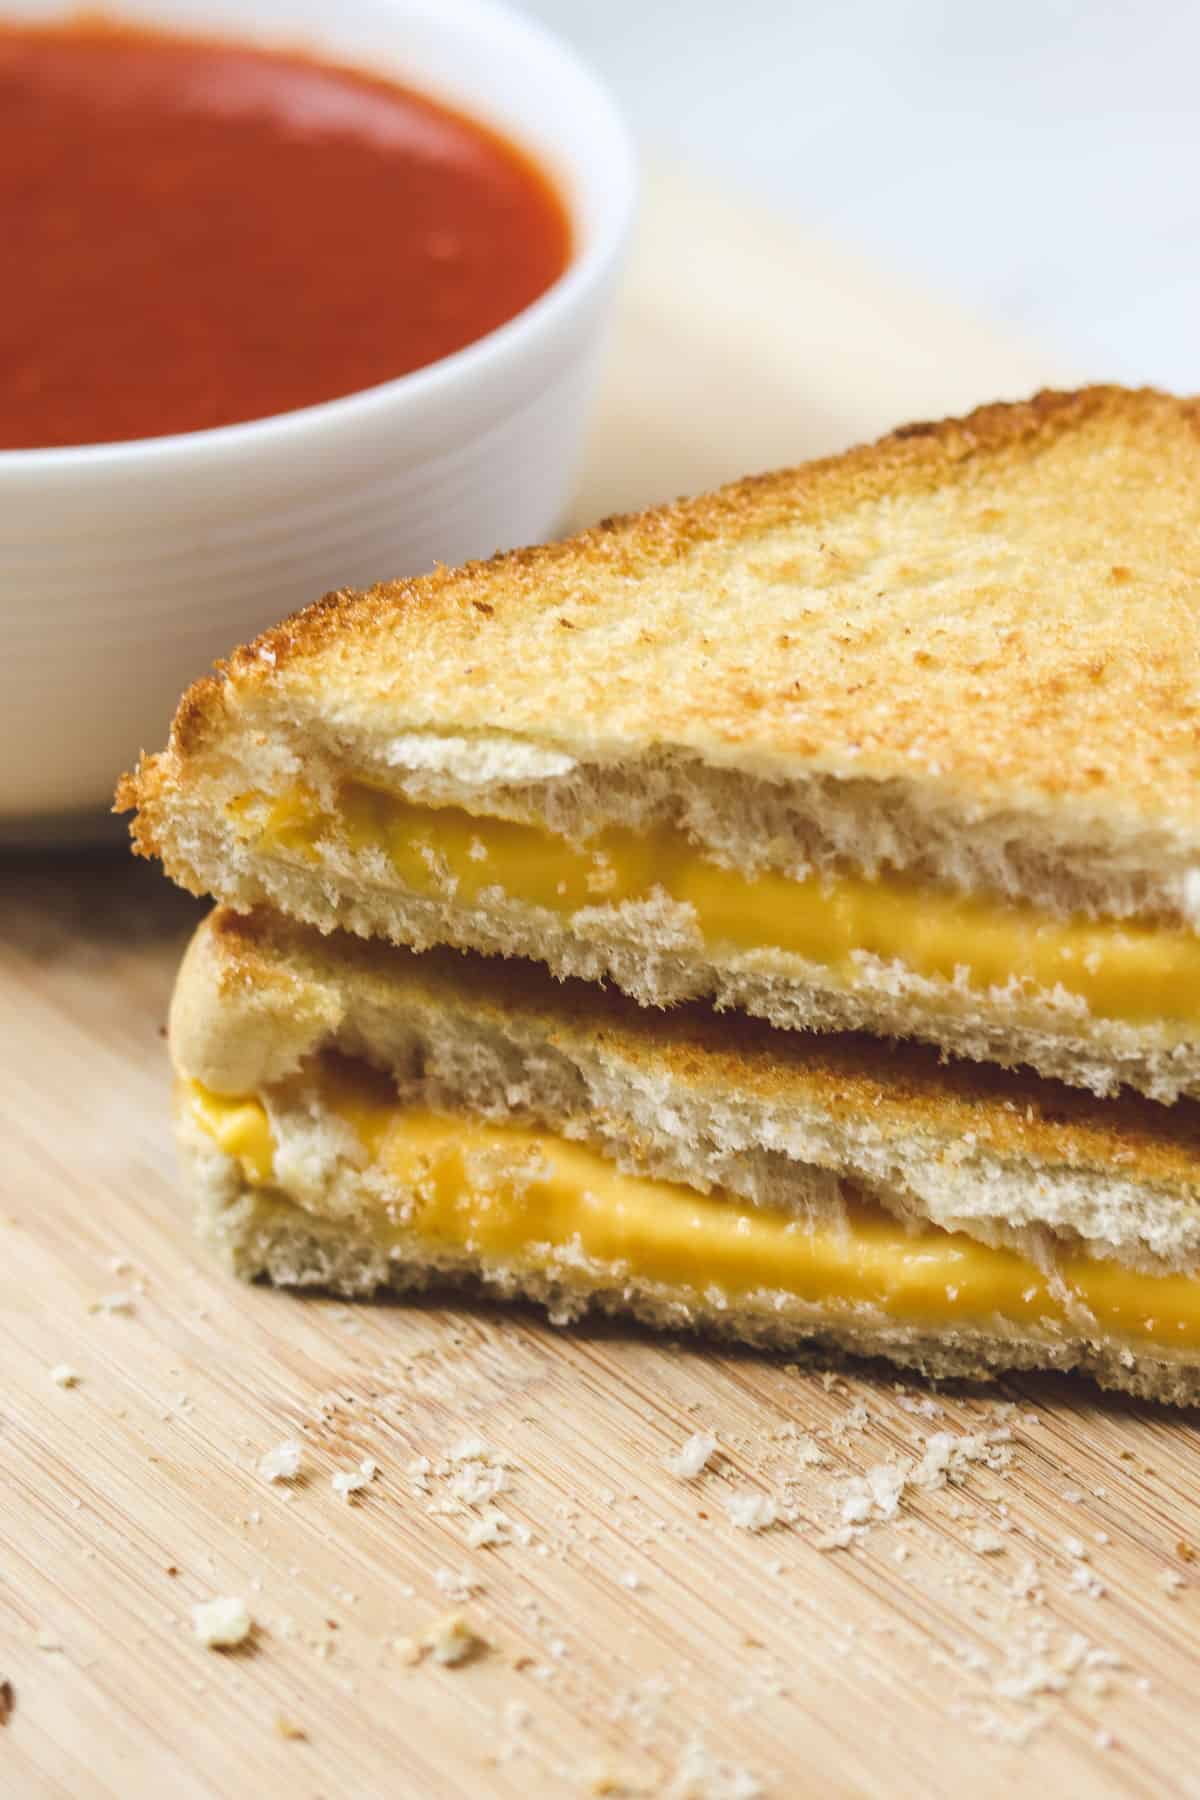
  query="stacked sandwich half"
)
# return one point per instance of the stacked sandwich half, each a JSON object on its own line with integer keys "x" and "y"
{"x": 776, "y": 913}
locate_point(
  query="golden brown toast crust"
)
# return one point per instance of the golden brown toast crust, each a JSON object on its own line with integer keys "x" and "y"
{"x": 254, "y": 975}
{"x": 1006, "y": 606}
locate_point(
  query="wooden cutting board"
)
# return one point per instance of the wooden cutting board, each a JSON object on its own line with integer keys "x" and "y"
{"x": 1036, "y": 1622}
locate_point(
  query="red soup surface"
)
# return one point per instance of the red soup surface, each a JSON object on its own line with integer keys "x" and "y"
{"x": 198, "y": 232}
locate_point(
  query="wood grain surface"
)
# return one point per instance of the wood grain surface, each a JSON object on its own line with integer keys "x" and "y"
{"x": 1034, "y": 1622}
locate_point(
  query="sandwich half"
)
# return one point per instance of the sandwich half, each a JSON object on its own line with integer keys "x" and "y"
{"x": 361, "y": 1118}
{"x": 906, "y": 742}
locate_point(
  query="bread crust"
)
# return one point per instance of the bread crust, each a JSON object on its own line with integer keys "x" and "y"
{"x": 1002, "y": 608}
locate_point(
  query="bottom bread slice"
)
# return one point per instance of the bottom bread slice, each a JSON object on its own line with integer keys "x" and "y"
{"x": 357, "y": 1200}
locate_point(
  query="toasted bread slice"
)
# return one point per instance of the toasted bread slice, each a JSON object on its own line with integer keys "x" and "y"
{"x": 962, "y": 664}
{"x": 362, "y": 1117}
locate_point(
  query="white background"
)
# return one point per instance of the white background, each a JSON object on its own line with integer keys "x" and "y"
{"x": 1037, "y": 159}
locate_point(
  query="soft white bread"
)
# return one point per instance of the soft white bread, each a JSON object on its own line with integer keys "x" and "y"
{"x": 786, "y": 1123}
{"x": 969, "y": 653}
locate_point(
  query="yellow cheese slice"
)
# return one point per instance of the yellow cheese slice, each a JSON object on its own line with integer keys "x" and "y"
{"x": 522, "y": 1197}
{"x": 1138, "y": 973}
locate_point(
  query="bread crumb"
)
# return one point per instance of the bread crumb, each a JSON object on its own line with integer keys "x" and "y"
{"x": 471, "y": 1449}
{"x": 877, "y": 1494}
{"x": 64, "y": 1376}
{"x": 347, "y": 1482}
{"x": 987, "y": 1543}
{"x": 840, "y": 1539}
{"x": 1170, "y": 1579}
{"x": 451, "y": 1641}
{"x": 112, "y": 1303}
{"x": 283, "y": 1463}
{"x": 948, "y": 1459}
{"x": 288, "y": 1728}
{"x": 808, "y": 1452}
{"x": 475, "y": 1482}
{"x": 8, "y": 1702}
{"x": 751, "y": 1511}
{"x": 222, "y": 1624}
{"x": 50, "y": 1642}
{"x": 700, "y": 1776}
{"x": 852, "y": 1422}
{"x": 492, "y": 1528}
{"x": 456, "y": 1586}
{"x": 1083, "y": 1581}
{"x": 693, "y": 1456}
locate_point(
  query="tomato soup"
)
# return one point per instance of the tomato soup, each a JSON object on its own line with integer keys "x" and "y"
{"x": 200, "y": 232}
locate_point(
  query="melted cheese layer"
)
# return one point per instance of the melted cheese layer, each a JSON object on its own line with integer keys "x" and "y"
{"x": 1138, "y": 973}
{"x": 521, "y": 1197}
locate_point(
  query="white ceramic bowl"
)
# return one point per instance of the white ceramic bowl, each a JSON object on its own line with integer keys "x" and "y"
{"x": 126, "y": 568}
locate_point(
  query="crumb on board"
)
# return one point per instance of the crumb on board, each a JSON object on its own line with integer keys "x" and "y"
{"x": 282, "y": 1463}
{"x": 493, "y": 1528}
{"x": 64, "y": 1376}
{"x": 223, "y": 1623}
{"x": 112, "y": 1304}
{"x": 348, "y": 1482}
{"x": 8, "y": 1701}
{"x": 456, "y": 1584}
{"x": 290, "y": 1729}
{"x": 698, "y": 1772}
{"x": 751, "y": 1511}
{"x": 452, "y": 1640}
{"x": 839, "y": 1539}
{"x": 877, "y": 1494}
{"x": 468, "y": 1449}
{"x": 461, "y": 1481}
{"x": 693, "y": 1456}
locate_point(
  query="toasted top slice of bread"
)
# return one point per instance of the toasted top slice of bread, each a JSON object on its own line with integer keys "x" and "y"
{"x": 970, "y": 651}
{"x": 707, "y": 1100}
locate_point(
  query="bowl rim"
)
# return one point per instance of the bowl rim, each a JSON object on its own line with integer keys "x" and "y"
{"x": 430, "y": 384}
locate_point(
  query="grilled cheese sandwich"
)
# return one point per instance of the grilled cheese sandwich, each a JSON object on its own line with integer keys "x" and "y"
{"x": 355, "y": 1116}
{"x": 903, "y": 742}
